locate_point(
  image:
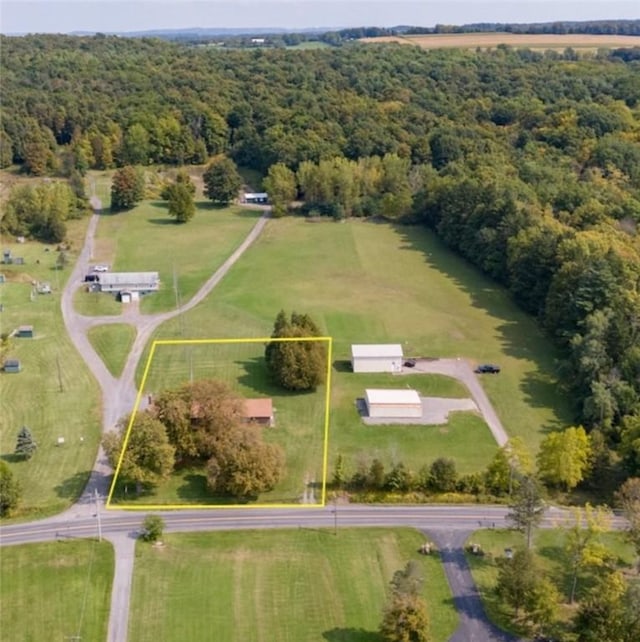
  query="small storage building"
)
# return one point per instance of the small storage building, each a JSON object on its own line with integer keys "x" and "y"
{"x": 12, "y": 365}
{"x": 394, "y": 404}
{"x": 25, "y": 332}
{"x": 376, "y": 357}
{"x": 255, "y": 197}
{"x": 129, "y": 282}
{"x": 259, "y": 411}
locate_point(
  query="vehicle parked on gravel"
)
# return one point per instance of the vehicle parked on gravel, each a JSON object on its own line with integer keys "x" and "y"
{"x": 487, "y": 368}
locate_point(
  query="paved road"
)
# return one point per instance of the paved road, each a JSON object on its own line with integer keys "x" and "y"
{"x": 473, "y": 626}
{"x": 444, "y": 518}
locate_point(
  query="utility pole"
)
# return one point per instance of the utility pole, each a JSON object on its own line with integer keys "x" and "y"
{"x": 59, "y": 373}
{"x": 95, "y": 491}
{"x": 335, "y": 514}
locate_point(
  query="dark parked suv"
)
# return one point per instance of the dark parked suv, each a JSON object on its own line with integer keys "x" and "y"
{"x": 487, "y": 368}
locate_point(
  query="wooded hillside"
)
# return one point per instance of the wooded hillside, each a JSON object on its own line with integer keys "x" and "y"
{"x": 527, "y": 164}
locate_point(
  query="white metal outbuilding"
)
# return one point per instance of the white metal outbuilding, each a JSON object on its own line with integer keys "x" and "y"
{"x": 393, "y": 403}
{"x": 376, "y": 357}
{"x": 129, "y": 281}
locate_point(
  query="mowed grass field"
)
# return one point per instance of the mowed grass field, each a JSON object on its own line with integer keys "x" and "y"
{"x": 147, "y": 239}
{"x": 366, "y": 282}
{"x": 299, "y": 419}
{"x": 112, "y": 342}
{"x": 522, "y": 41}
{"x": 95, "y": 304}
{"x": 56, "y": 591}
{"x": 550, "y": 546}
{"x": 272, "y": 586}
{"x": 54, "y": 395}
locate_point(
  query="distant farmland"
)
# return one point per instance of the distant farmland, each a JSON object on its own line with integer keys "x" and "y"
{"x": 530, "y": 41}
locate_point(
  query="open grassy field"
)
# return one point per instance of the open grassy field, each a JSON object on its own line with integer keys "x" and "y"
{"x": 54, "y": 395}
{"x": 304, "y": 585}
{"x": 366, "y": 282}
{"x": 146, "y": 239}
{"x": 522, "y": 41}
{"x": 550, "y": 547}
{"x": 112, "y": 342}
{"x": 56, "y": 591}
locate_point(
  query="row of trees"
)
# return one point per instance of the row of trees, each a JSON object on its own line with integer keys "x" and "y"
{"x": 565, "y": 459}
{"x": 199, "y": 424}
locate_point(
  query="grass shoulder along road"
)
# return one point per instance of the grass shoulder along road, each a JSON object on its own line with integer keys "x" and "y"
{"x": 112, "y": 342}
{"x": 303, "y": 585}
{"x": 56, "y": 591}
{"x": 54, "y": 395}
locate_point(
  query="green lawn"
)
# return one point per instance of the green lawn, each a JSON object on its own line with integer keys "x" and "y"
{"x": 96, "y": 304}
{"x": 299, "y": 418}
{"x": 146, "y": 239}
{"x": 303, "y": 585}
{"x": 56, "y": 591}
{"x": 54, "y": 395}
{"x": 549, "y": 544}
{"x": 367, "y": 282}
{"x": 113, "y": 341}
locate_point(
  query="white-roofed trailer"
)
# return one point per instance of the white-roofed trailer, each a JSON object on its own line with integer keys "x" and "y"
{"x": 393, "y": 403}
{"x": 376, "y": 357}
{"x": 129, "y": 281}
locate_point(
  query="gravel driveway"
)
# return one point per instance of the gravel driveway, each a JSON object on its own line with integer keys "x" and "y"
{"x": 461, "y": 370}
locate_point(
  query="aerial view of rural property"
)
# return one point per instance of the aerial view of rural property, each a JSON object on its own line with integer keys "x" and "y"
{"x": 319, "y": 321}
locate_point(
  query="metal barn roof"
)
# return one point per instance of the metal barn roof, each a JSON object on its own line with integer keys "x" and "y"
{"x": 127, "y": 278}
{"x": 401, "y": 397}
{"x": 377, "y": 350}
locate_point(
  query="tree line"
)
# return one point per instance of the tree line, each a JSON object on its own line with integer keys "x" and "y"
{"x": 525, "y": 163}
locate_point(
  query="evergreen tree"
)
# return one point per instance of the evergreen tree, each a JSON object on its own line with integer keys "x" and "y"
{"x": 25, "y": 444}
{"x": 296, "y": 365}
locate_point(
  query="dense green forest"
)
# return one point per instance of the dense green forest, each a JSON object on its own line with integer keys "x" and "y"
{"x": 526, "y": 163}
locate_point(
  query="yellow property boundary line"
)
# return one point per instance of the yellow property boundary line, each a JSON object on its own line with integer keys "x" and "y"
{"x": 325, "y": 450}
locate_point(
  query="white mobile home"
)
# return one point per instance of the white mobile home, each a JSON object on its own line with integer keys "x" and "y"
{"x": 376, "y": 358}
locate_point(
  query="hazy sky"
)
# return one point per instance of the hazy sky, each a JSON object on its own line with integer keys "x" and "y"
{"x": 19, "y": 16}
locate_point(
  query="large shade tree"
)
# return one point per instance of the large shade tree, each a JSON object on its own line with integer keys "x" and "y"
{"x": 148, "y": 457}
{"x": 221, "y": 180}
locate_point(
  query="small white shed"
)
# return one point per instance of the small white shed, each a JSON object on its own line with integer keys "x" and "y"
{"x": 376, "y": 357}
{"x": 393, "y": 403}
